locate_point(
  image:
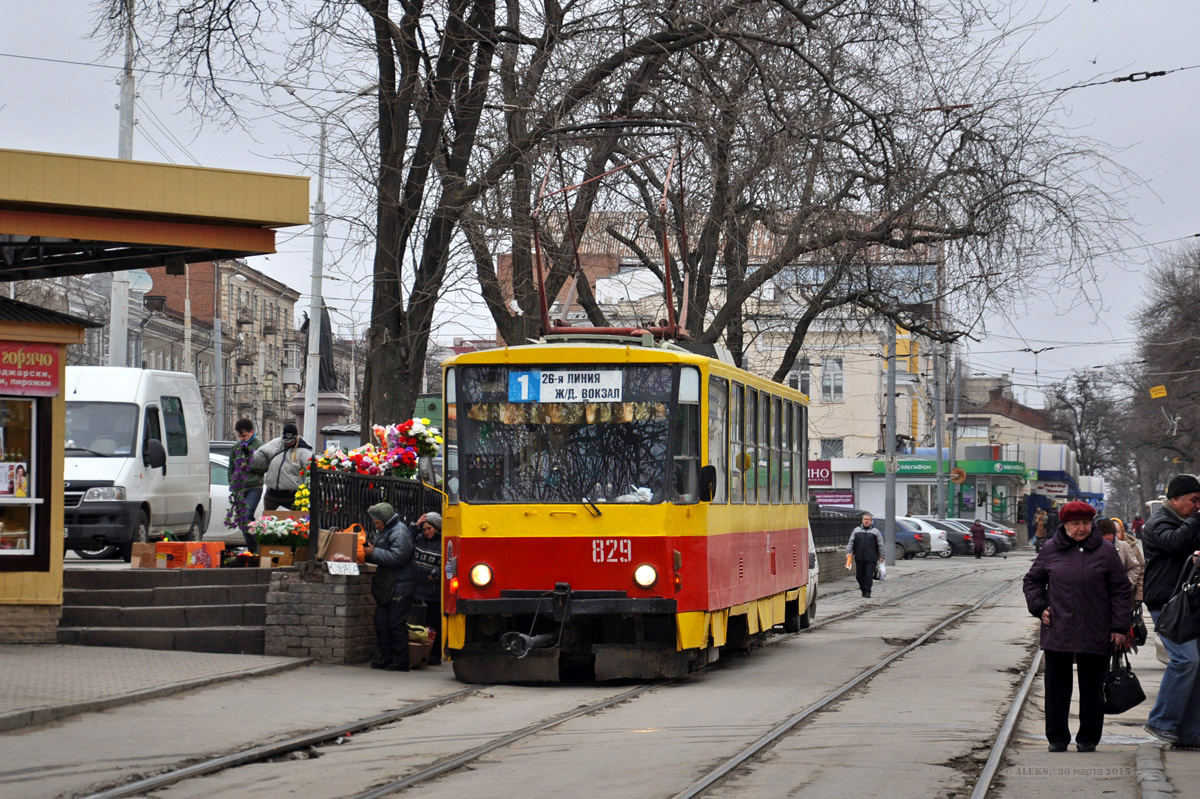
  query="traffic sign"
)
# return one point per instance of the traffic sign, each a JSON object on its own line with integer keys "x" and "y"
{"x": 1158, "y": 392}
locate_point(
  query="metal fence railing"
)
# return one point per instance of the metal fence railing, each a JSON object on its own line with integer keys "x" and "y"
{"x": 339, "y": 499}
{"x": 831, "y": 530}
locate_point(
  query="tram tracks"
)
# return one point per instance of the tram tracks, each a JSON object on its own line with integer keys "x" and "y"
{"x": 716, "y": 775}
{"x": 463, "y": 759}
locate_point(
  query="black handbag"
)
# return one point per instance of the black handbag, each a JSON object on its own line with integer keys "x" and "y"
{"x": 1140, "y": 634}
{"x": 1179, "y": 619}
{"x": 1120, "y": 690}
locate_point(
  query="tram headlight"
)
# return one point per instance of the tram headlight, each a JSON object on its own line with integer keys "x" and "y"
{"x": 481, "y": 575}
{"x": 645, "y": 575}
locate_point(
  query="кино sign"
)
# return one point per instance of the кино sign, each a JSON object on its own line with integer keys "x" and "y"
{"x": 820, "y": 473}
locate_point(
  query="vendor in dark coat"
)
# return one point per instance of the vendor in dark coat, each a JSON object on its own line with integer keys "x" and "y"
{"x": 427, "y": 565}
{"x": 393, "y": 588}
{"x": 978, "y": 536}
{"x": 1078, "y": 588}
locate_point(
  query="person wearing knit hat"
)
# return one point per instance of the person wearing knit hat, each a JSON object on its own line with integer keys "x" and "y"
{"x": 1169, "y": 539}
{"x": 1078, "y": 588}
{"x": 427, "y": 564}
{"x": 393, "y": 588}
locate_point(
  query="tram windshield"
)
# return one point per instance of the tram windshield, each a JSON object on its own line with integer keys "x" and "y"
{"x": 564, "y": 434}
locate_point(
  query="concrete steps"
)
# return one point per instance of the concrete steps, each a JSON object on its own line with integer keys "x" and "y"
{"x": 193, "y": 610}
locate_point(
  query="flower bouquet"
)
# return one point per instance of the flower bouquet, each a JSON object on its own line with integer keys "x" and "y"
{"x": 282, "y": 532}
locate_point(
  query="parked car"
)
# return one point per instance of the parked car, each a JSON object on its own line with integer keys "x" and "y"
{"x": 958, "y": 533}
{"x": 222, "y": 447}
{"x": 911, "y": 540}
{"x": 992, "y": 527}
{"x": 814, "y": 577}
{"x": 218, "y": 468}
{"x": 937, "y": 537}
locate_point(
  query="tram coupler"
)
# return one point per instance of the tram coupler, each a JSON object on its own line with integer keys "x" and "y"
{"x": 520, "y": 644}
{"x": 561, "y": 602}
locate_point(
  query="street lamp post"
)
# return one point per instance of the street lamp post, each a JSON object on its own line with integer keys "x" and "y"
{"x": 317, "y": 302}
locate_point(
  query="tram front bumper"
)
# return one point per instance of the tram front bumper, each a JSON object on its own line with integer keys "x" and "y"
{"x": 563, "y": 602}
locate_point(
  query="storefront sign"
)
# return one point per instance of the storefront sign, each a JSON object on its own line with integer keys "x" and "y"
{"x": 28, "y": 370}
{"x": 838, "y": 497}
{"x": 1016, "y": 468}
{"x": 909, "y": 467}
{"x": 1050, "y": 489}
{"x": 820, "y": 473}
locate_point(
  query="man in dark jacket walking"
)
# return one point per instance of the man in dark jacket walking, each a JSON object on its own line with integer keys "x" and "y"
{"x": 427, "y": 564}
{"x": 392, "y": 586}
{"x": 1170, "y": 537}
{"x": 866, "y": 544}
{"x": 977, "y": 538}
{"x": 1078, "y": 588}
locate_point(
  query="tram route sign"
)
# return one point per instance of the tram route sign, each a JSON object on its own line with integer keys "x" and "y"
{"x": 565, "y": 385}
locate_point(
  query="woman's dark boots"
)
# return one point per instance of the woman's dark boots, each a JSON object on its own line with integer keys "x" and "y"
{"x": 385, "y": 657}
{"x": 398, "y": 663}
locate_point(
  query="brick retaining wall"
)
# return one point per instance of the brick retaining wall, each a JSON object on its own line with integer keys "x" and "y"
{"x": 29, "y": 624}
{"x": 311, "y": 613}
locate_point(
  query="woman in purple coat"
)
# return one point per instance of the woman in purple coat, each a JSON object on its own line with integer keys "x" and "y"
{"x": 977, "y": 538}
{"x": 1078, "y": 588}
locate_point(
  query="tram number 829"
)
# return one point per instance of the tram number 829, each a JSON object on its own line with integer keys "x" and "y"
{"x": 612, "y": 550}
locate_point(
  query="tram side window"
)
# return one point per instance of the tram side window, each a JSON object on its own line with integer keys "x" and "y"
{"x": 786, "y": 454}
{"x": 735, "y": 436}
{"x": 764, "y": 447}
{"x": 685, "y": 439}
{"x": 799, "y": 453}
{"x": 776, "y": 448}
{"x": 749, "y": 464}
{"x": 718, "y": 409}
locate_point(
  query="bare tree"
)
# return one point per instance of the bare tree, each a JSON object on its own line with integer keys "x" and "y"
{"x": 1084, "y": 411}
{"x": 894, "y": 157}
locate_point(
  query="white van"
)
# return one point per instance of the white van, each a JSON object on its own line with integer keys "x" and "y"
{"x": 136, "y": 458}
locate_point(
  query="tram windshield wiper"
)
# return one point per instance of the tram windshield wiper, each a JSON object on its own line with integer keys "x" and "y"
{"x": 592, "y": 509}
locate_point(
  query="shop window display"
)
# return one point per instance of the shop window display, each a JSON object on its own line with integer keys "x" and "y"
{"x": 18, "y": 500}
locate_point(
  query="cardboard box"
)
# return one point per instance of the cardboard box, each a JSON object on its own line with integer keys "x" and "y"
{"x": 274, "y": 556}
{"x": 170, "y": 554}
{"x": 298, "y": 515}
{"x": 203, "y": 554}
{"x": 335, "y": 543}
{"x": 143, "y": 557}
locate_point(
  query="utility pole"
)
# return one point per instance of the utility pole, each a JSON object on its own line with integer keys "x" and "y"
{"x": 954, "y": 422}
{"x": 889, "y": 449}
{"x": 218, "y": 358}
{"x": 118, "y": 317}
{"x": 316, "y": 305}
{"x": 937, "y": 428}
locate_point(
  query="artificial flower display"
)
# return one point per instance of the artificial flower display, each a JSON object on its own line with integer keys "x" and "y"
{"x": 283, "y": 532}
{"x": 400, "y": 445}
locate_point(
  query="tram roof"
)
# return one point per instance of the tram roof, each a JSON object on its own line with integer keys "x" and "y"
{"x": 66, "y": 215}
{"x": 595, "y": 351}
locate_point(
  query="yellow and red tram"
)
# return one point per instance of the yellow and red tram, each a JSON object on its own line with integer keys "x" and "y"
{"x": 618, "y": 505}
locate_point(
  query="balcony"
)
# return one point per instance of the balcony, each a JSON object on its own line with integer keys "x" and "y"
{"x": 270, "y": 327}
{"x": 244, "y": 359}
{"x": 245, "y": 316}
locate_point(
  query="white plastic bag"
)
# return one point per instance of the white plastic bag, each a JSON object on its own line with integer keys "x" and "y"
{"x": 881, "y": 571}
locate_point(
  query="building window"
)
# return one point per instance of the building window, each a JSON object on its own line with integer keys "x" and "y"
{"x": 832, "y": 380}
{"x": 832, "y": 448}
{"x": 799, "y": 377}
{"x": 918, "y": 500}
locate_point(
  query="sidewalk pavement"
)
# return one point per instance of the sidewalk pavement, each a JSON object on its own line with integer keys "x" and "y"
{"x": 1127, "y": 763}
{"x": 42, "y": 683}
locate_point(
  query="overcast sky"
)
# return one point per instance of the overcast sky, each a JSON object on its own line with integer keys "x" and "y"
{"x": 69, "y": 107}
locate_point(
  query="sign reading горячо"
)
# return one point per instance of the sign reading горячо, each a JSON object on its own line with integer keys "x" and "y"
{"x": 565, "y": 385}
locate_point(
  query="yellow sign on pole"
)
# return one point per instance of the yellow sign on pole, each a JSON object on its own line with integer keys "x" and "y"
{"x": 1158, "y": 392}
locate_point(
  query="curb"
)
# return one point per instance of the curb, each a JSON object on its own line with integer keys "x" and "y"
{"x": 44, "y": 715}
{"x": 1151, "y": 773}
